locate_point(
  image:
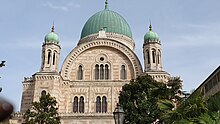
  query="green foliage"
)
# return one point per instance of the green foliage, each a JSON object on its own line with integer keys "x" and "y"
{"x": 187, "y": 111}
{"x": 195, "y": 110}
{"x": 213, "y": 114}
{"x": 165, "y": 105}
{"x": 136, "y": 102}
{"x": 214, "y": 102}
{"x": 194, "y": 106}
{"x": 43, "y": 112}
{"x": 144, "y": 99}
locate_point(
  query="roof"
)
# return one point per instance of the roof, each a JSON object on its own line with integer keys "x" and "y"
{"x": 107, "y": 20}
{"x": 151, "y": 35}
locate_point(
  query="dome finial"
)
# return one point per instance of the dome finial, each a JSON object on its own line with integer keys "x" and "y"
{"x": 151, "y": 36}
{"x": 52, "y": 28}
{"x": 150, "y": 27}
{"x": 106, "y": 4}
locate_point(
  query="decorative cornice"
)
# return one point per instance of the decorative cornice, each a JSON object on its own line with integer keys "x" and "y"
{"x": 51, "y": 43}
{"x": 116, "y": 83}
{"x": 28, "y": 79}
{"x": 46, "y": 76}
{"x": 152, "y": 42}
{"x": 87, "y": 115}
{"x": 19, "y": 115}
{"x": 114, "y": 36}
{"x": 28, "y": 85}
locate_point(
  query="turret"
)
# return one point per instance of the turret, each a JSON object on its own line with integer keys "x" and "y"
{"x": 50, "y": 52}
{"x": 152, "y": 51}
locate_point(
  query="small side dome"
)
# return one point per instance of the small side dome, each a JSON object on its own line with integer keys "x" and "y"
{"x": 52, "y": 37}
{"x": 151, "y": 35}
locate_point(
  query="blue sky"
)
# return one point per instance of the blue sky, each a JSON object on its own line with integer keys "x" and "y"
{"x": 189, "y": 31}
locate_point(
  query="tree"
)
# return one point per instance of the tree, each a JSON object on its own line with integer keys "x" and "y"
{"x": 213, "y": 102}
{"x": 213, "y": 114}
{"x": 146, "y": 101}
{"x": 6, "y": 108}
{"x": 141, "y": 99}
{"x": 2, "y": 64}
{"x": 195, "y": 110}
{"x": 187, "y": 111}
{"x": 43, "y": 112}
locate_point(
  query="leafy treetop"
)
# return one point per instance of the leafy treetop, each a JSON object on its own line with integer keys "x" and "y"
{"x": 43, "y": 112}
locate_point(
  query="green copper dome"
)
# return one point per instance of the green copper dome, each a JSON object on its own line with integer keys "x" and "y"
{"x": 51, "y": 37}
{"x": 151, "y": 35}
{"x": 108, "y": 20}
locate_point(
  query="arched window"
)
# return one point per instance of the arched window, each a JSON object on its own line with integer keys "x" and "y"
{"x": 54, "y": 58}
{"x": 101, "y": 71}
{"x": 81, "y": 104}
{"x": 106, "y": 72}
{"x": 96, "y": 71}
{"x": 158, "y": 57}
{"x": 148, "y": 57}
{"x": 43, "y": 57}
{"x": 43, "y": 93}
{"x": 154, "y": 55}
{"x": 75, "y": 104}
{"x": 80, "y": 73}
{"x": 98, "y": 104}
{"x": 104, "y": 104}
{"x": 48, "y": 57}
{"x": 123, "y": 72}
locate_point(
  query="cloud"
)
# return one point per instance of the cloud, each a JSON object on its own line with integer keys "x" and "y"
{"x": 25, "y": 44}
{"x": 194, "y": 35}
{"x": 65, "y": 7}
{"x": 74, "y": 5}
{"x": 190, "y": 25}
{"x": 194, "y": 41}
{"x": 22, "y": 44}
{"x": 52, "y": 6}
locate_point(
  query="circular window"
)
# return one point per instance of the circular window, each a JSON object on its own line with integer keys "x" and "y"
{"x": 101, "y": 58}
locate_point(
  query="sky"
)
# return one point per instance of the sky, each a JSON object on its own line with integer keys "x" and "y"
{"x": 189, "y": 31}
